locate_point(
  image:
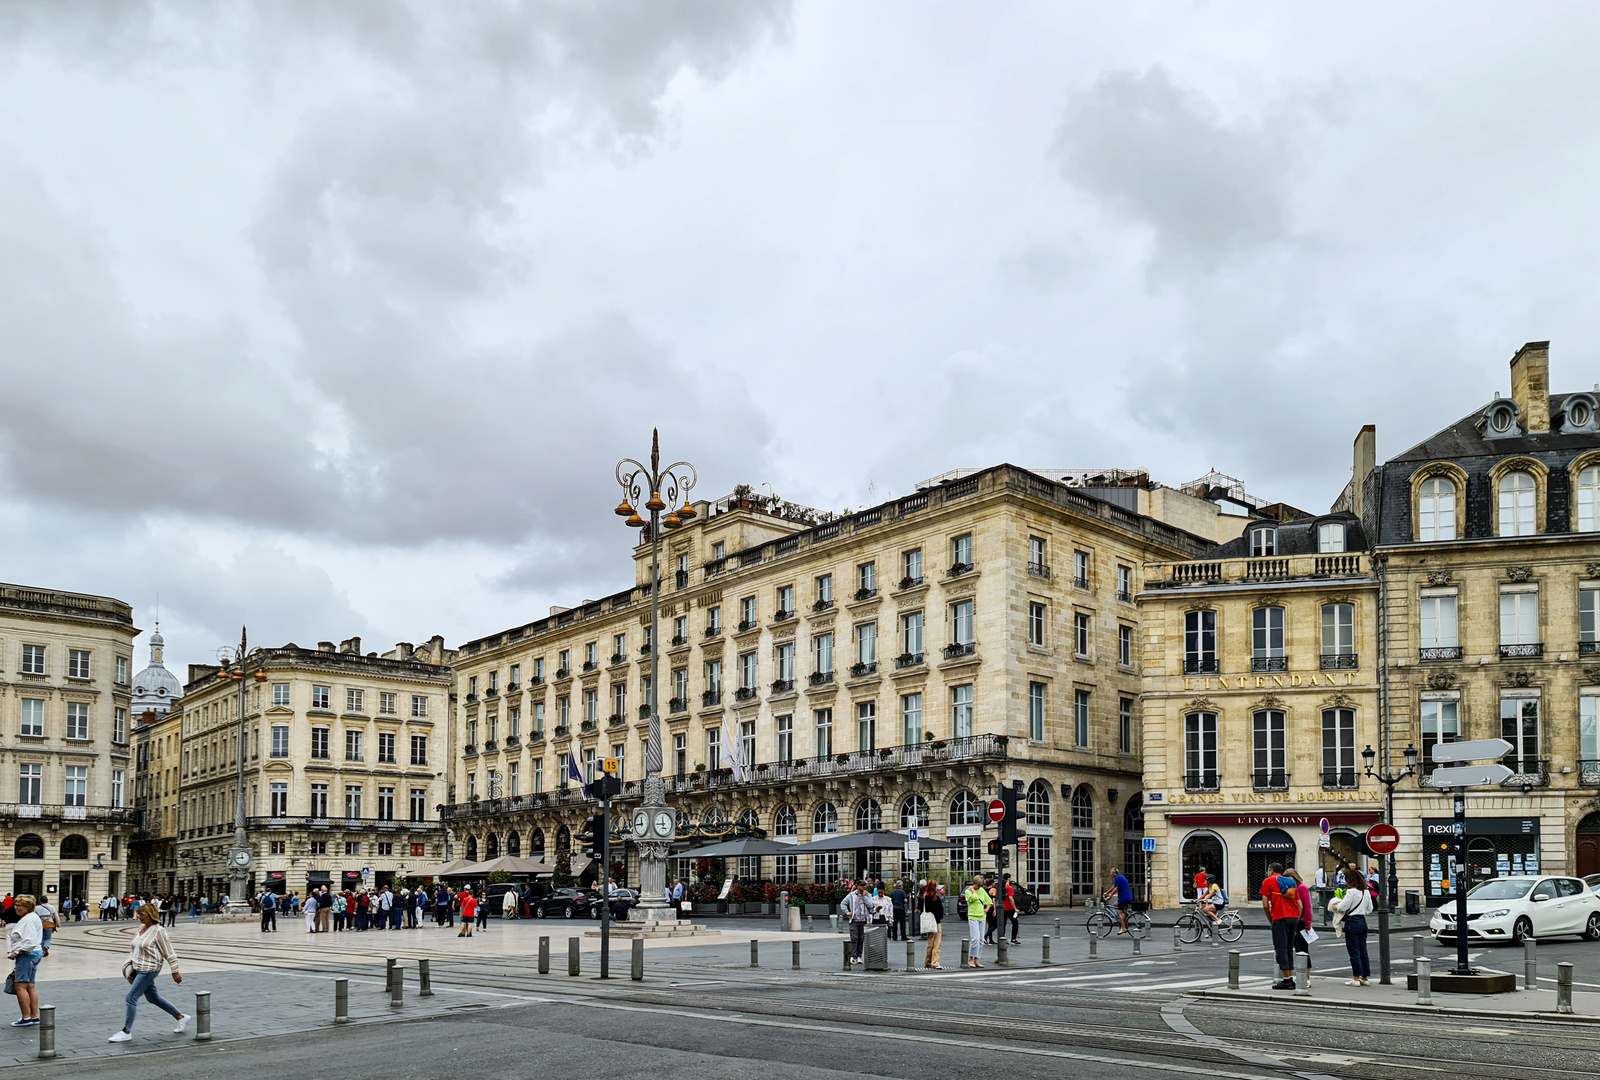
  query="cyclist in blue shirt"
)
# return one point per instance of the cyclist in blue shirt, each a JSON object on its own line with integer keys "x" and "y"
{"x": 1124, "y": 891}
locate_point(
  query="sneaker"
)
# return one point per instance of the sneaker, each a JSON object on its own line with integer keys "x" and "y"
{"x": 1283, "y": 984}
{"x": 1354, "y": 982}
{"x": 183, "y": 1025}
{"x": 121, "y": 1036}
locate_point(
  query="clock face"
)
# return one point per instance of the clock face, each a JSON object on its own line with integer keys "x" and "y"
{"x": 241, "y": 858}
{"x": 641, "y": 823}
{"x": 664, "y": 824}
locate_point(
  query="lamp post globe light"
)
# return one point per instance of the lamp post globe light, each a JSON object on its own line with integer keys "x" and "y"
{"x": 231, "y": 666}
{"x": 654, "y": 825}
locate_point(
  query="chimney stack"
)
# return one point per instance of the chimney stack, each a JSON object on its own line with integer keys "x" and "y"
{"x": 325, "y": 646}
{"x": 1530, "y": 387}
{"x": 1366, "y": 459}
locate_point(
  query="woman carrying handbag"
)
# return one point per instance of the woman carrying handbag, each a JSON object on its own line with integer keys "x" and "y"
{"x": 932, "y": 922}
{"x": 151, "y": 948}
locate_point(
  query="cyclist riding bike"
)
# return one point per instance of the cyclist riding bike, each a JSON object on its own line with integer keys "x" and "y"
{"x": 1124, "y": 892}
{"x": 1210, "y": 900}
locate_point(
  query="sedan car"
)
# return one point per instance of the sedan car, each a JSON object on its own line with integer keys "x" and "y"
{"x": 1514, "y": 909}
{"x": 563, "y": 904}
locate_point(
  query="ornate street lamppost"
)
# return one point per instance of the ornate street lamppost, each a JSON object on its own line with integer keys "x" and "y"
{"x": 1389, "y": 779}
{"x": 231, "y": 666}
{"x": 654, "y": 823}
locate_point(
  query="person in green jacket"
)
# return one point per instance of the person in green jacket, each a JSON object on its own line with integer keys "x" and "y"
{"x": 978, "y": 904}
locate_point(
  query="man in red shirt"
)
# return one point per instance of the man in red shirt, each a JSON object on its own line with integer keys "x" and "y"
{"x": 1010, "y": 908}
{"x": 469, "y": 910}
{"x": 1282, "y": 905}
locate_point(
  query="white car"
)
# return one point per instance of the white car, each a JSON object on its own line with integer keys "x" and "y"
{"x": 1517, "y": 908}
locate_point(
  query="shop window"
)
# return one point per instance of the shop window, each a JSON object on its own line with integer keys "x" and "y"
{"x": 1203, "y": 851}
{"x": 1266, "y": 847}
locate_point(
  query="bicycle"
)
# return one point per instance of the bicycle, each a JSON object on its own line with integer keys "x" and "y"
{"x": 1103, "y": 922}
{"x": 1229, "y": 926}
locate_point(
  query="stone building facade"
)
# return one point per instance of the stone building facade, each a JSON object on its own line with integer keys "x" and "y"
{"x": 826, "y": 674}
{"x": 153, "y": 860}
{"x": 1260, "y": 691}
{"x": 66, "y": 769}
{"x": 344, "y": 770}
{"x": 1488, "y": 538}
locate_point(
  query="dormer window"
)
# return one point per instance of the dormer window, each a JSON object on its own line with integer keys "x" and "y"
{"x": 1589, "y": 499}
{"x": 1263, "y": 542}
{"x": 1436, "y": 509}
{"x": 1500, "y": 420}
{"x": 1580, "y": 414}
{"x": 1516, "y": 504}
{"x": 1330, "y": 538}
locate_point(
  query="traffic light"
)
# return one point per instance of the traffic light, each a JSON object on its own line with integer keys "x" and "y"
{"x": 1016, "y": 813}
{"x": 1002, "y": 857}
{"x": 589, "y": 837}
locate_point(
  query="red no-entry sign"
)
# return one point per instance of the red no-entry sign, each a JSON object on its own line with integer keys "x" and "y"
{"x": 1383, "y": 839}
{"x": 997, "y": 810}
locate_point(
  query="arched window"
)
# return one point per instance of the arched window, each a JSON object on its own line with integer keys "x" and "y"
{"x": 74, "y": 847}
{"x": 1263, "y": 541}
{"x": 1038, "y": 805}
{"x": 1082, "y": 807}
{"x": 491, "y": 847}
{"x": 563, "y": 839}
{"x": 784, "y": 823}
{"x": 472, "y": 849}
{"x": 1588, "y": 499}
{"x": 1516, "y": 504}
{"x": 964, "y": 809}
{"x": 1203, "y": 851}
{"x": 825, "y": 820}
{"x": 536, "y": 844}
{"x": 869, "y": 815}
{"x": 750, "y": 821}
{"x": 514, "y": 844}
{"x": 1133, "y": 815}
{"x": 914, "y": 813}
{"x": 1436, "y": 509}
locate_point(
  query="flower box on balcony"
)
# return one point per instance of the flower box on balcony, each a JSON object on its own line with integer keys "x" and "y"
{"x": 562, "y": 729}
{"x": 713, "y": 631}
{"x": 679, "y": 639}
{"x": 746, "y": 624}
{"x": 563, "y": 673}
{"x": 822, "y": 605}
{"x": 589, "y": 665}
{"x": 957, "y": 569}
{"x": 866, "y": 594}
{"x": 909, "y": 582}
{"x": 782, "y": 686}
{"x": 677, "y": 704}
{"x": 587, "y": 725}
{"x": 617, "y": 658}
{"x": 744, "y": 693}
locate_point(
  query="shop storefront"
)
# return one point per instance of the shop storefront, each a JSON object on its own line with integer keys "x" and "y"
{"x": 1496, "y": 847}
{"x": 1236, "y": 849}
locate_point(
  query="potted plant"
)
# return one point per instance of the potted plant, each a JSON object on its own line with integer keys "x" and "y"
{"x": 908, "y": 581}
{"x": 905, "y": 659}
{"x": 858, "y": 668}
{"x": 866, "y": 594}
{"x": 885, "y": 753}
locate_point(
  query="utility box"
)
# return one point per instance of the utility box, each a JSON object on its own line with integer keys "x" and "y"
{"x": 1413, "y": 902}
{"x": 875, "y": 949}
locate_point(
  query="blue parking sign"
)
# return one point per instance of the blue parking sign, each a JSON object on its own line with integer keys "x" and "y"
{"x": 1149, "y": 843}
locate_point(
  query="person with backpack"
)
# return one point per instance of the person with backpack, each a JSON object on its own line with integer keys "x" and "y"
{"x": 269, "y": 912}
{"x": 1280, "y": 902}
{"x": 469, "y": 911}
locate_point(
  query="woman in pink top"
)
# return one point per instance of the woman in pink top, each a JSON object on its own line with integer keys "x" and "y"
{"x": 1301, "y": 945}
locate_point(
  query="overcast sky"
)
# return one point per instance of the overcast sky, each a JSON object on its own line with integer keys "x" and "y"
{"x": 334, "y": 317}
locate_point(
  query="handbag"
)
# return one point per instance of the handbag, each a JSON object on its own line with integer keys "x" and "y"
{"x": 11, "y": 984}
{"x": 129, "y": 972}
{"x": 930, "y": 925}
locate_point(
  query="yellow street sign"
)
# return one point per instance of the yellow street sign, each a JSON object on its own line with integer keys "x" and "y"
{"x": 609, "y": 765}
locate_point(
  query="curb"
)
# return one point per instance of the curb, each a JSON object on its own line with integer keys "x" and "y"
{"x": 1411, "y": 1007}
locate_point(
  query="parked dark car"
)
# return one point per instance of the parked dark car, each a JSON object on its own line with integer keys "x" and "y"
{"x": 618, "y": 897}
{"x": 564, "y": 904}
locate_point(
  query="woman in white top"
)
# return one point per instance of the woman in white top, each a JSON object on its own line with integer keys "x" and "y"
{"x": 150, "y": 949}
{"x": 1356, "y": 905}
{"x": 311, "y": 906}
{"x": 25, "y": 947}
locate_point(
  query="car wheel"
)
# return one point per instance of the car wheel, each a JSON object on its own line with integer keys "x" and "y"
{"x": 538, "y": 911}
{"x": 568, "y": 912}
{"x": 1591, "y": 932}
{"x": 1521, "y": 931}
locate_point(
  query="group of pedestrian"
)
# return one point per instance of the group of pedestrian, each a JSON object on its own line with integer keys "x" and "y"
{"x": 871, "y": 903}
{"x": 327, "y": 910}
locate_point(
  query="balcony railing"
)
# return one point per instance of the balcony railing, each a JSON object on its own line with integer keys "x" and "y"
{"x": 617, "y": 720}
{"x": 937, "y": 753}
{"x": 1335, "y": 779}
{"x": 57, "y": 812}
{"x": 644, "y": 712}
{"x": 865, "y": 594}
{"x": 1270, "y": 780}
{"x": 959, "y": 568}
{"x": 1269, "y": 663}
{"x": 681, "y": 579}
{"x": 563, "y": 673}
{"x": 1339, "y": 661}
{"x": 1202, "y": 781}
{"x": 1588, "y": 648}
{"x": 1515, "y": 652}
{"x": 782, "y": 686}
{"x": 960, "y": 648}
{"x": 905, "y": 660}
{"x": 1039, "y": 569}
{"x": 714, "y": 631}
{"x": 710, "y": 698}
{"x": 1589, "y": 772}
{"x": 744, "y": 693}
{"x": 589, "y": 665}
{"x": 862, "y": 668}
{"x": 1526, "y": 772}
{"x": 820, "y": 678}
{"x": 822, "y": 605}
{"x": 1200, "y": 665}
{"x": 1190, "y": 573}
{"x": 677, "y": 704}
{"x": 1440, "y": 652}
{"x": 339, "y": 824}
{"x": 618, "y": 658}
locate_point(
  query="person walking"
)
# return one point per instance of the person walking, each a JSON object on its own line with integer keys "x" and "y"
{"x": 1355, "y": 905}
{"x": 269, "y": 912}
{"x": 1010, "y": 909}
{"x": 151, "y": 947}
{"x": 897, "y": 929}
{"x": 1307, "y": 933}
{"x": 482, "y": 912}
{"x": 469, "y": 908}
{"x": 25, "y": 947}
{"x": 979, "y": 903}
{"x": 932, "y": 913}
{"x": 1280, "y": 902}
{"x": 857, "y": 907}
{"x": 311, "y": 913}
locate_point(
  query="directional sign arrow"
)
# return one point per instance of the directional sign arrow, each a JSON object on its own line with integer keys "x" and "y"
{"x": 1477, "y": 750}
{"x": 1469, "y": 775}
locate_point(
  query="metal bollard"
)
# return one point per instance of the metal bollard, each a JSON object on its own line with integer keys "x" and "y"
{"x": 1094, "y": 946}
{"x": 341, "y": 1001}
{"x": 1302, "y": 975}
{"x": 397, "y": 989}
{"x": 202, "y": 1015}
{"x": 1044, "y": 955}
{"x": 1002, "y": 952}
{"x": 1136, "y": 949}
{"x": 1418, "y": 948}
{"x": 1563, "y": 987}
{"x": 544, "y": 956}
{"x": 1530, "y": 965}
{"x": 636, "y": 972}
{"x": 911, "y": 955}
{"x": 811, "y": 925}
{"x": 47, "y": 1031}
{"x": 755, "y": 953}
{"x": 1177, "y": 940}
{"x": 388, "y": 975}
{"x": 425, "y": 977}
{"x": 966, "y": 945}
{"x": 1058, "y": 928}
{"x": 1424, "y": 981}
{"x": 1233, "y": 969}
{"x": 794, "y": 959}
{"x": 833, "y": 923}
{"x": 846, "y": 944}
{"x": 572, "y": 956}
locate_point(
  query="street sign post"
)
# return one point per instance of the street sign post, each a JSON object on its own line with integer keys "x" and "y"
{"x": 1383, "y": 839}
{"x": 1022, "y": 846}
{"x": 1477, "y": 750}
{"x": 997, "y": 810}
{"x": 1460, "y": 776}
{"x": 1323, "y": 826}
{"x": 913, "y": 851}
{"x": 1148, "y": 844}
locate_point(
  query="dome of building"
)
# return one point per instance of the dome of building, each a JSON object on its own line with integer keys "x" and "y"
{"x": 155, "y": 688}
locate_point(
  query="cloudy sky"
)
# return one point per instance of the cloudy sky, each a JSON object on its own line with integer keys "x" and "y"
{"x": 334, "y": 317}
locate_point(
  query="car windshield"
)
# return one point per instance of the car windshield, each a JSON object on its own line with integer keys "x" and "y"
{"x": 1502, "y": 889}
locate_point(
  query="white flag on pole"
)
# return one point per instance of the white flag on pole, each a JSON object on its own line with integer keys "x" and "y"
{"x": 731, "y": 756}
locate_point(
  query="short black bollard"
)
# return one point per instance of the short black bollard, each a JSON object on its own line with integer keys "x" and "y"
{"x": 397, "y": 989}
{"x": 544, "y": 956}
{"x": 1002, "y": 954}
{"x": 47, "y": 1031}
{"x": 1094, "y": 946}
{"x": 425, "y": 978}
{"x": 1530, "y": 965}
{"x": 388, "y": 976}
{"x": 1563, "y": 987}
{"x": 794, "y": 959}
{"x": 572, "y": 956}
{"x": 755, "y": 953}
{"x": 1233, "y": 969}
{"x": 911, "y": 955}
{"x": 1424, "y": 981}
{"x": 966, "y": 945}
{"x": 636, "y": 973}
{"x": 341, "y": 1001}
{"x": 1044, "y": 955}
{"x": 202, "y": 1016}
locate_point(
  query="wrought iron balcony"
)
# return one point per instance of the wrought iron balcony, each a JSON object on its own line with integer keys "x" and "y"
{"x": 681, "y": 579}
{"x": 1336, "y": 779}
{"x": 1269, "y": 663}
{"x": 744, "y": 693}
{"x": 782, "y": 686}
{"x": 910, "y": 582}
{"x": 1440, "y": 652}
{"x": 751, "y": 624}
{"x": 905, "y": 660}
{"x": 677, "y": 704}
{"x": 1080, "y": 583}
{"x": 710, "y": 698}
{"x": 617, "y": 720}
{"x": 644, "y": 712}
{"x": 714, "y": 630}
{"x": 1270, "y": 780}
{"x": 679, "y": 639}
{"x": 1201, "y": 665}
{"x": 863, "y": 668}
{"x": 1526, "y": 772}
{"x": 1339, "y": 661}
{"x": 957, "y": 569}
{"x": 1518, "y": 652}
{"x": 960, "y": 648}
{"x": 589, "y": 665}
{"x": 1589, "y": 772}
{"x": 865, "y": 594}
{"x": 819, "y": 678}
{"x": 1202, "y": 781}
{"x": 1039, "y": 569}
{"x": 563, "y": 673}
{"x": 619, "y": 657}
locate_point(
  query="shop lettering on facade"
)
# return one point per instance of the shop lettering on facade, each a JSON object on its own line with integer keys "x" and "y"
{"x": 1276, "y": 797}
{"x": 1266, "y": 682}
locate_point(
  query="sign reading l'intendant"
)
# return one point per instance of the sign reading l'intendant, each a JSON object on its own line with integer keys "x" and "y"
{"x": 1270, "y": 682}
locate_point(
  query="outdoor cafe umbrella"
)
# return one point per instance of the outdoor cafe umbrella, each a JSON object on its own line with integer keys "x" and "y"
{"x": 510, "y": 864}
{"x": 748, "y": 847}
{"x": 864, "y": 840}
{"x": 441, "y": 869}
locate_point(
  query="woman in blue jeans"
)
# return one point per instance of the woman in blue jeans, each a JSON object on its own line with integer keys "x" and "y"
{"x": 1356, "y": 904}
{"x": 151, "y": 948}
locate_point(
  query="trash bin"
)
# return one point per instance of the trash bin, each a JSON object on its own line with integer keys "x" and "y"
{"x": 1413, "y": 902}
{"x": 875, "y": 948}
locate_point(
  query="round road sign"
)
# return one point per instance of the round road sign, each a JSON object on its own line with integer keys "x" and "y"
{"x": 1323, "y": 826}
{"x": 997, "y": 810}
{"x": 1383, "y": 839}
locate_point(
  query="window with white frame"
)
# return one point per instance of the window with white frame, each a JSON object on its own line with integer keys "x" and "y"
{"x": 33, "y": 659}
{"x": 119, "y": 784}
{"x": 77, "y": 720}
{"x": 1263, "y": 541}
{"x": 1038, "y": 554}
{"x": 386, "y": 748}
{"x": 1268, "y": 750}
{"x": 122, "y": 670}
{"x": 1436, "y": 509}
{"x": 352, "y": 801}
{"x": 961, "y": 550}
{"x": 867, "y": 578}
{"x": 823, "y": 725}
{"x": 1125, "y": 725}
{"x": 1036, "y": 621}
{"x": 911, "y": 633}
{"x": 354, "y": 700}
{"x": 1437, "y": 622}
{"x": 961, "y": 622}
{"x": 785, "y": 730}
{"x": 1587, "y": 499}
{"x": 280, "y": 694}
{"x": 352, "y": 745}
{"x": 1036, "y": 711}
{"x": 319, "y": 743}
{"x": 1330, "y": 538}
{"x": 1080, "y": 634}
{"x": 1124, "y": 582}
{"x": 911, "y": 719}
{"x": 866, "y": 725}
{"x": 1199, "y": 642}
{"x": 320, "y": 697}
{"x": 278, "y": 799}
{"x": 77, "y": 785}
{"x": 1588, "y": 617}
{"x": 1338, "y": 629}
{"x": 961, "y": 711}
{"x": 1438, "y": 716}
{"x": 1080, "y": 569}
{"x": 30, "y": 789}
{"x": 1125, "y": 645}
{"x": 1519, "y": 617}
{"x": 32, "y": 717}
{"x": 747, "y": 743}
{"x": 77, "y": 663}
{"x": 280, "y": 741}
{"x": 822, "y": 653}
{"x": 386, "y": 703}
{"x": 1338, "y": 748}
{"x": 1080, "y": 718}
{"x": 1517, "y": 504}
{"x": 867, "y": 643}
{"x": 714, "y": 748}
{"x": 1589, "y": 738}
{"x": 911, "y": 563}
{"x": 825, "y": 589}
{"x": 119, "y": 725}
{"x": 1200, "y": 751}
{"x": 1519, "y": 726}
